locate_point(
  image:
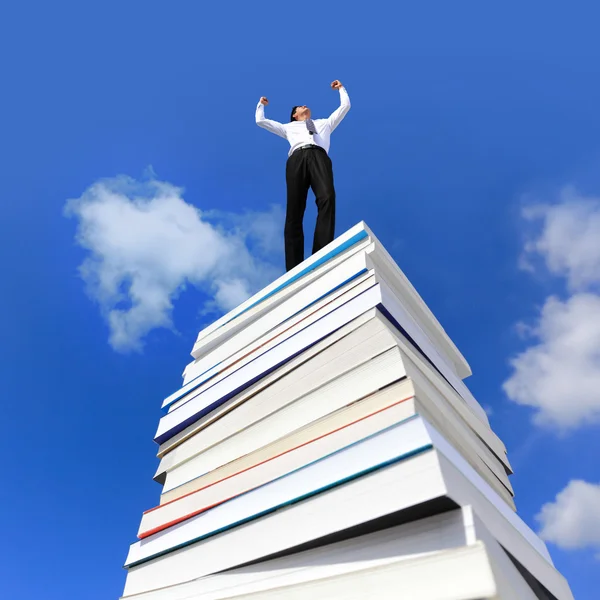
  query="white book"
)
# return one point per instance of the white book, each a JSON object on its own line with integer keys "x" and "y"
{"x": 210, "y": 398}
{"x": 358, "y": 382}
{"x": 367, "y": 260}
{"x": 385, "y": 266}
{"x": 387, "y": 490}
{"x": 322, "y": 261}
{"x": 274, "y": 338}
{"x": 449, "y": 555}
{"x": 291, "y": 367}
{"x": 393, "y": 308}
{"x": 485, "y": 442}
{"x": 321, "y": 291}
{"x": 376, "y": 296}
{"x": 433, "y": 408}
{"x": 460, "y": 574}
{"x": 396, "y": 443}
{"x": 291, "y": 282}
{"x": 392, "y": 444}
{"x": 388, "y": 406}
{"x": 269, "y": 470}
{"x": 258, "y": 424}
{"x": 399, "y": 391}
{"x": 506, "y": 527}
{"x": 450, "y": 425}
{"x": 370, "y": 338}
{"x": 434, "y": 543}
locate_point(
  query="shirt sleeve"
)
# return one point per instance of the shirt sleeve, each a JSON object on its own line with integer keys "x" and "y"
{"x": 337, "y": 115}
{"x": 272, "y": 126}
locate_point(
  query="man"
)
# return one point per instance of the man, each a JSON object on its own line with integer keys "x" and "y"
{"x": 308, "y": 165}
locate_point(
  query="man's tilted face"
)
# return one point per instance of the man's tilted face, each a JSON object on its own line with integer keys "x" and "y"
{"x": 302, "y": 113}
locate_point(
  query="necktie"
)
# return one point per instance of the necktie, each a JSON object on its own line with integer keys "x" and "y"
{"x": 310, "y": 126}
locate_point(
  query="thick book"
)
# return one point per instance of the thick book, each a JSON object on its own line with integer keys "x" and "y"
{"x": 360, "y": 347}
{"x": 185, "y": 414}
{"x": 381, "y": 475}
{"x": 364, "y": 341}
{"x": 273, "y": 338}
{"x": 356, "y": 239}
{"x": 260, "y": 423}
{"x": 273, "y": 327}
{"x": 377, "y": 296}
{"x": 449, "y": 555}
{"x": 401, "y": 492}
{"x": 285, "y": 414}
{"x": 291, "y": 282}
{"x": 345, "y": 427}
{"x": 299, "y": 362}
{"x": 395, "y": 443}
{"x": 468, "y": 443}
{"x": 275, "y": 322}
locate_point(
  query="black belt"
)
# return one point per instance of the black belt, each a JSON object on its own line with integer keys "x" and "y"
{"x": 309, "y": 146}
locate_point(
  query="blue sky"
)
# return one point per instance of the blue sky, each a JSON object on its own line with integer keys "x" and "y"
{"x": 464, "y": 117}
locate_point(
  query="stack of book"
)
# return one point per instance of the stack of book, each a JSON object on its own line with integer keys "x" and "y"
{"x": 324, "y": 445}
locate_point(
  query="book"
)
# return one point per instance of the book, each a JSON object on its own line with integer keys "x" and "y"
{"x": 408, "y": 483}
{"x": 376, "y": 296}
{"x": 212, "y": 397}
{"x": 356, "y": 239}
{"x": 370, "y": 259}
{"x": 274, "y": 337}
{"x": 248, "y": 340}
{"x": 281, "y": 419}
{"x": 269, "y": 379}
{"x": 443, "y": 543}
{"x": 331, "y": 285}
{"x": 448, "y": 555}
{"x": 374, "y": 336}
{"x": 291, "y": 282}
{"x": 377, "y": 461}
{"x": 392, "y": 490}
{"x": 321, "y": 438}
{"x": 397, "y": 442}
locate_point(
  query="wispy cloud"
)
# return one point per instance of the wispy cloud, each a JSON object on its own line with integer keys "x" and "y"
{"x": 559, "y": 373}
{"x": 145, "y": 244}
{"x": 572, "y": 521}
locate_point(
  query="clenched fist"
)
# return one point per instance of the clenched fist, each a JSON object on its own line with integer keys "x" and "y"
{"x": 336, "y": 85}
{"x": 264, "y": 101}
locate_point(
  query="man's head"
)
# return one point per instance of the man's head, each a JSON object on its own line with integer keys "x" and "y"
{"x": 300, "y": 113}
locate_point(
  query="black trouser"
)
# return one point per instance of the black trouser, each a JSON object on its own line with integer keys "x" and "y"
{"x": 308, "y": 167}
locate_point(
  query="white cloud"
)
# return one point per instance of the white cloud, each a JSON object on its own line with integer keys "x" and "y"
{"x": 569, "y": 241}
{"x": 146, "y": 244}
{"x": 572, "y": 521}
{"x": 559, "y": 375}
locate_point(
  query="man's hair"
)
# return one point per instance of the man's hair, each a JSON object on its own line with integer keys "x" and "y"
{"x": 292, "y": 118}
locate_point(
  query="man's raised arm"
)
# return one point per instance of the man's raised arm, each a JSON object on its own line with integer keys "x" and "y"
{"x": 272, "y": 126}
{"x": 337, "y": 115}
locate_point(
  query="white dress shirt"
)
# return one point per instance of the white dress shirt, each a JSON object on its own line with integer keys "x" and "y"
{"x": 296, "y": 132}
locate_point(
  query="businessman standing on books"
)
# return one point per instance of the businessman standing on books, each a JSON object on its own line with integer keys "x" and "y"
{"x": 308, "y": 165}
